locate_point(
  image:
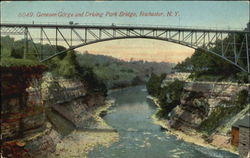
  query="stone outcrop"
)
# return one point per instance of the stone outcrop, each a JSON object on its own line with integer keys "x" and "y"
{"x": 40, "y": 145}
{"x": 71, "y": 100}
{"x": 23, "y": 119}
{"x": 79, "y": 111}
{"x": 26, "y": 126}
{"x": 21, "y": 109}
{"x": 210, "y": 107}
{"x": 198, "y": 101}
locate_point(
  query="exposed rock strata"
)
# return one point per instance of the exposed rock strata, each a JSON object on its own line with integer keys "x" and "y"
{"x": 26, "y": 120}
{"x": 199, "y": 101}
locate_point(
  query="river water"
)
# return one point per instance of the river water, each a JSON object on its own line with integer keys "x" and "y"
{"x": 140, "y": 137}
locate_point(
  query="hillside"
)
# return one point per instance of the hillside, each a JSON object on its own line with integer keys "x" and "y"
{"x": 119, "y": 73}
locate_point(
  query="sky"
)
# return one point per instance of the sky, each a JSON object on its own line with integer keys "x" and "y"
{"x": 201, "y": 14}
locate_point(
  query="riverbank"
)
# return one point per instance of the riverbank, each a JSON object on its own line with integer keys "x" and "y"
{"x": 139, "y": 136}
{"x": 89, "y": 130}
{"x": 80, "y": 142}
{"x": 191, "y": 135}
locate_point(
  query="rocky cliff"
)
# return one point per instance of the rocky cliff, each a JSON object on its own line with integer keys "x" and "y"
{"x": 23, "y": 119}
{"x": 71, "y": 99}
{"x": 208, "y": 107}
{"x": 200, "y": 99}
{"x": 33, "y": 106}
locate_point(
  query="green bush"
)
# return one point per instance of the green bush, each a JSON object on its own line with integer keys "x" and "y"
{"x": 91, "y": 80}
{"x": 220, "y": 114}
{"x": 65, "y": 64}
{"x": 207, "y": 66}
{"x": 170, "y": 96}
{"x": 242, "y": 77}
{"x": 242, "y": 99}
{"x": 9, "y": 61}
{"x": 154, "y": 84}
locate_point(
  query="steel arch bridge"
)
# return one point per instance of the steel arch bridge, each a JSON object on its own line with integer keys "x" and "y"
{"x": 75, "y": 36}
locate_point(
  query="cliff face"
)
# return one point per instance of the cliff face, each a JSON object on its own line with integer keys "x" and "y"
{"x": 19, "y": 108}
{"x": 71, "y": 99}
{"x": 69, "y": 105}
{"x": 199, "y": 99}
{"x": 209, "y": 108}
{"x": 23, "y": 117}
{"x": 203, "y": 102}
{"x": 28, "y": 127}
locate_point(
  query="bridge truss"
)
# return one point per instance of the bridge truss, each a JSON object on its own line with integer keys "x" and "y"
{"x": 231, "y": 45}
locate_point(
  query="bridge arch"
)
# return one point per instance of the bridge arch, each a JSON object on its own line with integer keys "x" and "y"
{"x": 146, "y": 37}
{"x": 204, "y": 39}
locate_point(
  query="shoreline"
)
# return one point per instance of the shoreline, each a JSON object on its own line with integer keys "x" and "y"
{"x": 80, "y": 143}
{"x": 195, "y": 138}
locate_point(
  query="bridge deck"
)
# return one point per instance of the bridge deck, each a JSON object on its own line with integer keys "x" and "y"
{"x": 122, "y": 27}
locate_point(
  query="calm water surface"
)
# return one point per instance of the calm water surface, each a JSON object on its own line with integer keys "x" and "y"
{"x": 139, "y": 137}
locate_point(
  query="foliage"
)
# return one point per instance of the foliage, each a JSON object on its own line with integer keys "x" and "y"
{"x": 171, "y": 93}
{"x": 8, "y": 62}
{"x": 207, "y": 66}
{"x": 242, "y": 98}
{"x": 12, "y": 48}
{"x": 217, "y": 116}
{"x": 17, "y": 52}
{"x": 118, "y": 73}
{"x": 220, "y": 113}
{"x": 242, "y": 77}
{"x": 168, "y": 96}
{"x": 64, "y": 65}
{"x": 90, "y": 79}
{"x": 113, "y": 72}
{"x": 110, "y": 70}
{"x": 6, "y": 46}
{"x": 154, "y": 84}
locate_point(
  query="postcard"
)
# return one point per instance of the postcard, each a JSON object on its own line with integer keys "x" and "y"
{"x": 125, "y": 79}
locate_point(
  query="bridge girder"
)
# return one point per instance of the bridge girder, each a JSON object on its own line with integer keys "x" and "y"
{"x": 75, "y": 36}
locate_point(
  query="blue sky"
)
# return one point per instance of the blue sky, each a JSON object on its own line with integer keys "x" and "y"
{"x": 226, "y": 14}
{"x": 218, "y": 14}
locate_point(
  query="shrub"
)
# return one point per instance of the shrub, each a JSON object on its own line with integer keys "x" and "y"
{"x": 170, "y": 96}
{"x": 220, "y": 113}
{"x": 154, "y": 84}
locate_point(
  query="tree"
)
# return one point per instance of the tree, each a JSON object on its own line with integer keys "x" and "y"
{"x": 169, "y": 97}
{"x": 17, "y": 53}
{"x": 154, "y": 84}
{"x": 203, "y": 63}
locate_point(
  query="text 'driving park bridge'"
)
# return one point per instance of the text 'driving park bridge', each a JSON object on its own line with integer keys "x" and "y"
{"x": 231, "y": 45}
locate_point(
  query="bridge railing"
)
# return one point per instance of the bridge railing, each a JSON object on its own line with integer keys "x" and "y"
{"x": 132, "y": 25}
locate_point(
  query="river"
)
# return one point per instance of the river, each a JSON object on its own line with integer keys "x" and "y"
{"x": 140, "y": 137}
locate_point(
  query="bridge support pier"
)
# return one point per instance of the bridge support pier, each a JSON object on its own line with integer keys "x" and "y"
{"x": 247, "y": 51}
{"x": 26, "y": 44}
